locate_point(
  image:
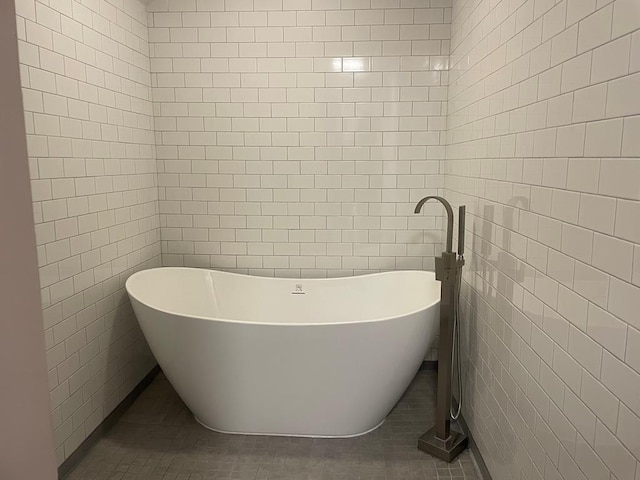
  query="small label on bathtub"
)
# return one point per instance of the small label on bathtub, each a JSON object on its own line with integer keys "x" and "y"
{"x": 298, "y": 290}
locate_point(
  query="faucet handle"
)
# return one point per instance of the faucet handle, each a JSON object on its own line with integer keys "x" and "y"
{"x": 461, "y": 224}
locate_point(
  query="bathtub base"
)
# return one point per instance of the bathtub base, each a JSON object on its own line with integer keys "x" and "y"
{"x": 445, "y": 450}
{"x": 288, "y": 435}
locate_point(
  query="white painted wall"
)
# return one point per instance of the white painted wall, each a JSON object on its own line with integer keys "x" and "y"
{"x": 26, "y": 435}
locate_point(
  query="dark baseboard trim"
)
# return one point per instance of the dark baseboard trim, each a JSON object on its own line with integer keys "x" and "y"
{"x": 76, "y": 457}
{"x": 477, "y": 456}
{"x": 431, "y": 365}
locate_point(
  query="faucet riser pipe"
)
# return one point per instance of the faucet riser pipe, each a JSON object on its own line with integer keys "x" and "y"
{"x": 440, "y": 440}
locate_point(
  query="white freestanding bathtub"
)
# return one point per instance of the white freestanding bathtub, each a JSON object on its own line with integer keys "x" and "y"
{"x": 317, "y": 357}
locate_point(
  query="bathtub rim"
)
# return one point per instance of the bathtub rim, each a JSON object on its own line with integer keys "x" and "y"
{"x": 433, "y": 303}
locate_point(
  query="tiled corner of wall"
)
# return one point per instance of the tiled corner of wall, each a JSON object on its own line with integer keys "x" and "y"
{"x": 89, "y": 117}
{"x": 544, "y": 122}
{"x": 294, "y": 137}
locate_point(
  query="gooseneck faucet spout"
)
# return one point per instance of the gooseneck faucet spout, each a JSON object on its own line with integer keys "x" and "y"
{"x": 449, "y": 210}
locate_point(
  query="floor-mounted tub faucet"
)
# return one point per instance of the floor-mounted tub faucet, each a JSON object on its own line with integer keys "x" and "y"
{"x": 440, "y": 440}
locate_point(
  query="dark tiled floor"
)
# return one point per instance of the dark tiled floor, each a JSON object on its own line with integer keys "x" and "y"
{"x": 158, "y": 439}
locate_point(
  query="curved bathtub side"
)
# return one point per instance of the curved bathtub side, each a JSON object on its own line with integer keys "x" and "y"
{"x": 320, "y": 380}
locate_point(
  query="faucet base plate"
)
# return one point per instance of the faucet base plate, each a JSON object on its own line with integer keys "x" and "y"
{"x": 446, "y": 450}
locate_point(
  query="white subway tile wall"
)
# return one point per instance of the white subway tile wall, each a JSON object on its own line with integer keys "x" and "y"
{"x": 294, "y": 137}
{"x": 89, "y": 117}
{"x": 542, "y": 147}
